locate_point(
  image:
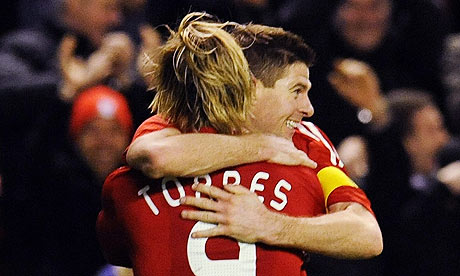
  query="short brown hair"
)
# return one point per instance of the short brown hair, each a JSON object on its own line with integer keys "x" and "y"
{"x": 269, "y": 50}
{"x": 404, "y": 103}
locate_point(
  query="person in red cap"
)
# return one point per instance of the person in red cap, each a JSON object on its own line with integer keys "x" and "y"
{"x": 67, "y": 181}
{"x": 100, "y": 126}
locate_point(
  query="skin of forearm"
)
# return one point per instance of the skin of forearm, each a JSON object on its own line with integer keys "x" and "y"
{"x": 194, "y": 154}
{"x": 352, "y": 233}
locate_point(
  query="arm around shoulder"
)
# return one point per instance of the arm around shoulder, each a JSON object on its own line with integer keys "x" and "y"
{"x": 348, "y": 231}
{"x": 168, "y": 152}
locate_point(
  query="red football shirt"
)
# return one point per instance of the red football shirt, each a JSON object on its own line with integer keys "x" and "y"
{"x": 140, "y": 223}
{"x": 308, "y": 138}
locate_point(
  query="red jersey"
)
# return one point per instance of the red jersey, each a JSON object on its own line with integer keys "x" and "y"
{"x": 308, "y": 138}
{"x": 140, "y": 224}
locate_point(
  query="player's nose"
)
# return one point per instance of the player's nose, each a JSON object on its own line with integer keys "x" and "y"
{"x": 305, "y": 106}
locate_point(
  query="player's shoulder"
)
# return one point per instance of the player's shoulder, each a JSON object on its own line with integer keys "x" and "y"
{"x": 311, "y": 139}
{"x": 309, "y": 131}
{"x": 155, "y": 119}
{"x": 116, "y": 174}
{"x": 154, "y": 123}
{"x": 122, "y": 179}
{"x": 273, "y": 170}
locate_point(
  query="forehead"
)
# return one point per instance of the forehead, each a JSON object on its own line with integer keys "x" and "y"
{"x": 296, "y": 72}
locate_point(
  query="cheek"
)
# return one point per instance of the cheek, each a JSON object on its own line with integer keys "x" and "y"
{"x": 96, "y": 18}
{"x": 87, "y": 142}
{"x": 263, "y": 106}
{"x": 120, "y": 141}
{"x": 428, "y": 142}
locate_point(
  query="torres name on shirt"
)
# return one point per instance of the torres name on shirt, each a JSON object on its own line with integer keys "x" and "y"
{"x": 140, "y": 224}
{"x": 143, "y": 217}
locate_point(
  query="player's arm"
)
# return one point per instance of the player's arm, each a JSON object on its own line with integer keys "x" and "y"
{"x": 348, "y": 231}
{"x": 168, "y": 152}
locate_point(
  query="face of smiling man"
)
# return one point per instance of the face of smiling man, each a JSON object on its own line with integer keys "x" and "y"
{"x": 280, "y": 108}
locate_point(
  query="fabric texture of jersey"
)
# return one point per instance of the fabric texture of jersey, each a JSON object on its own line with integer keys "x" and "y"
{"x": 308, "y": 138}
{"x": 140, "y": 225}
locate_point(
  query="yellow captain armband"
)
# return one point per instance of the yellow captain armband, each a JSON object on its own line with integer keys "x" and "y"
{"x": 331, "y": 178}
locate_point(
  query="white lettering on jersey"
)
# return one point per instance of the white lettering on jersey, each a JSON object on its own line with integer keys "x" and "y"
{"x": 201, "y": 265}
{"x": 172, "y": 202}
{"x": 279, "y": 194}
{"x": 231, "y": 174}
{"x": 143, "y": 192}
{"x": 255, "y": 186}
{"x": 207, "y": 179}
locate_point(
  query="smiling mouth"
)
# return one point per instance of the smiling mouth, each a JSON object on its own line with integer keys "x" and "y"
{"x": 291, "y": 124}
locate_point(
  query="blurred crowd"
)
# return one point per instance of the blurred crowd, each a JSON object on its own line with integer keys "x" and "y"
{"x": 386, "y": 90}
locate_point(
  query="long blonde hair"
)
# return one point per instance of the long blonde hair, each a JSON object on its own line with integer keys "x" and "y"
{"x": 201, "y": 77}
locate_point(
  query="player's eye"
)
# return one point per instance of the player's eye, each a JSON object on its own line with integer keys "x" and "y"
{"x": 298, "y": 90}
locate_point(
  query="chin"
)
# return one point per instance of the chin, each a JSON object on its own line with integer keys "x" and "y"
{"x": 288, "y": 133}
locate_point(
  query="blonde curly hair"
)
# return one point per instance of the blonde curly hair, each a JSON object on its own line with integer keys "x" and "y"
{"x": 201, "y": 77}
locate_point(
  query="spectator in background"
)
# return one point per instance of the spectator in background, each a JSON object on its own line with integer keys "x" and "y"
{"x": 39, "y": 81}
{"x": 405, "y": 137}
{"x": 401, "y": 40}
{"x": 68, "y": 176}
{"x": 35, "y": 60}
{"x": 100, "y": 127}
{"x": 29, "y": 55}
{"x": 35, "y": 103}
{"x": 451, "y": 79}
{"x": 417, "y": 135}
{"x": 430, "y": 220}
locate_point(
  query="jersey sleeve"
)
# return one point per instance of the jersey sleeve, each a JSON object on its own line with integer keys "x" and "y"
{"x": 338, "y": 187}
{"x": 318, "y": 146}
{"x": 350, "y": 194}
{"x": 110, "y": 232}
{"x": 150, "y": 125}
{"x": 336, "y": 184}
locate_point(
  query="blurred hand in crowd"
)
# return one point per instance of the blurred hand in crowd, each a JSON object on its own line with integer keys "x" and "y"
{"x": 151, "y": 42}
{"x": 353, "y": 152}
{"x": 450, "y": 176}
{"x": 357, "y": 82}
{"x": 119, "y": 50}
{"x": 112, "y": 59}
